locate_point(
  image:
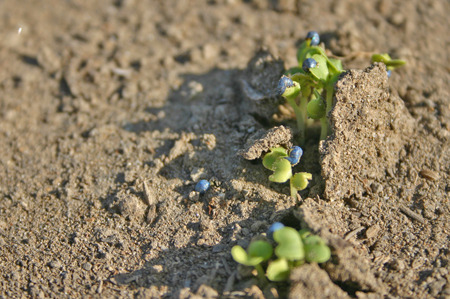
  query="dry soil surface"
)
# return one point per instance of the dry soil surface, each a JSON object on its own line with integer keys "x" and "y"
{"x": 110, "y": 111}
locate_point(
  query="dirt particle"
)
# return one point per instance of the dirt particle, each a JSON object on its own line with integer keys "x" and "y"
{"x": 157, "y": 268}
{"x": 263, "y": 140}
{"x": 209, "y": 140}
{"x": 311, "y": 282}
{"x": 259, "y": 85}
{"x": 257, "y": 225}
{"x": 218, "y": 248}
{"x": 398, "y": 265}
{"x": 87, "y": 266}
{"x": 436, "y": 287}
{"x": 194, "y": 196}
{"x": 198, "y": 174}
{"x": 207, "y": 292}
{"x": 429, "y": 174}
{"x": 373, "y": 231}
{"x": 55, "y": 264}
{"x": 131, "y": 206}
{"x": 151, "y": 214}
{"x": 149, "y": 194}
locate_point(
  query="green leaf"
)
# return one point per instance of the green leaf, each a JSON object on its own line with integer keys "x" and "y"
{"x": 290, "y": 245}
{"x": 274, "y": 154}
{"x": 300, "y": 180}
{"x": 321, "y": 70}
{"x": 282, "y": 170}
{"x": 306, "y": 51}
{"x": 291, "y": 91}
{"x": 391, "y": 64}
{"x": 395, "y": 63}
{"x": 337, "y": 63}
{"x": 331, "y": 80}
{"x": 292, "y": 71}
{"x": 381, "y": 57}
{"x": 301, "y": 52}
{"x": 306, "y": 92}
{"x": 301, "y": 78}
{"x": 278, "y": 270}
{"x": 318, "y": 253}
{"x": 261, "y": 249}
{"x": 304, "y": 233}
{"x": 241, "y": 256}
{"x": 313, "y": 240}
{"x": 316, "y": 108}
{"x": 387, "y": 60}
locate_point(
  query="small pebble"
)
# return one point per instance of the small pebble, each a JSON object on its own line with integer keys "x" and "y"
{"x": 372, "y": 231}
{"x": 429, "y": 174}
{"x": 398, "y": 265}
{"x": 194, "y": 196}
{"x": 87, "y": 266}
{"x": 55, "y": 264}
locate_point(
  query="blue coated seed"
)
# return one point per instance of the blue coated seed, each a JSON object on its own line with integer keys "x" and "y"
{"x": 273, "y": 228}
{"x": 308, "y": 64}
{"x": 284, "y": 83}
{"x": 295, "y": 155}
{"x": 389, "y": 73}
{"x": 314, "y": 37}
{"x": 202, "y": 186}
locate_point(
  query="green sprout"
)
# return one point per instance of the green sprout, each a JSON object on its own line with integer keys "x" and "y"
{"x": 314, "y": 79}
{"x": 293, "y": 249}
{"x": 290, "y": 90}
{"x": 316, "y": 109}
{"x": 281, "y": 164}
{"x": 257, "y": 252}
{"x": 391, "y": 64}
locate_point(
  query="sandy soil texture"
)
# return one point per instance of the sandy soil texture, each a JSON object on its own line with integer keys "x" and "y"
{"x": 112, "y": 110}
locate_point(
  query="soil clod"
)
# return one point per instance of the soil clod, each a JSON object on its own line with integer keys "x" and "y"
{"x": 370, "y": 126}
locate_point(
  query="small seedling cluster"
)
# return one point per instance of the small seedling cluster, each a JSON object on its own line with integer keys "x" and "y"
{"x": 293, "y": 248}
{"x": 313, "y": 80}
{"x": 309, "y": 90}
{"x": 280, "y": 162}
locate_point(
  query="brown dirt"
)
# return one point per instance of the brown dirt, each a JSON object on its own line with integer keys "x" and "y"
{"x": 99, "y": 97}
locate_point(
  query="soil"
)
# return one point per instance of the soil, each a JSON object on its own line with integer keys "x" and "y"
{"x": 111, "y": 111}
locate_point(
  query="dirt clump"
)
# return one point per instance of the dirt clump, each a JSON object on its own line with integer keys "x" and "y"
{"x": 370, "y": 126}
{"x": 262, "y": 141}
{"x": 311, "y": 282}
{"x": 259, "y": 84}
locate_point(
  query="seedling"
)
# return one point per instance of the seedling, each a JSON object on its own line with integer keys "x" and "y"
{"x": 290, "y": 89}
{"x": 281, "y": 164}
{"x": 313, "y": 79}
{"x": 391, "y": 64}
{"x": 293, "y": 249}
{"x": 257, "y": 252}
{"x": 316, "y": 109}
{"x": 202, "y": 186}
